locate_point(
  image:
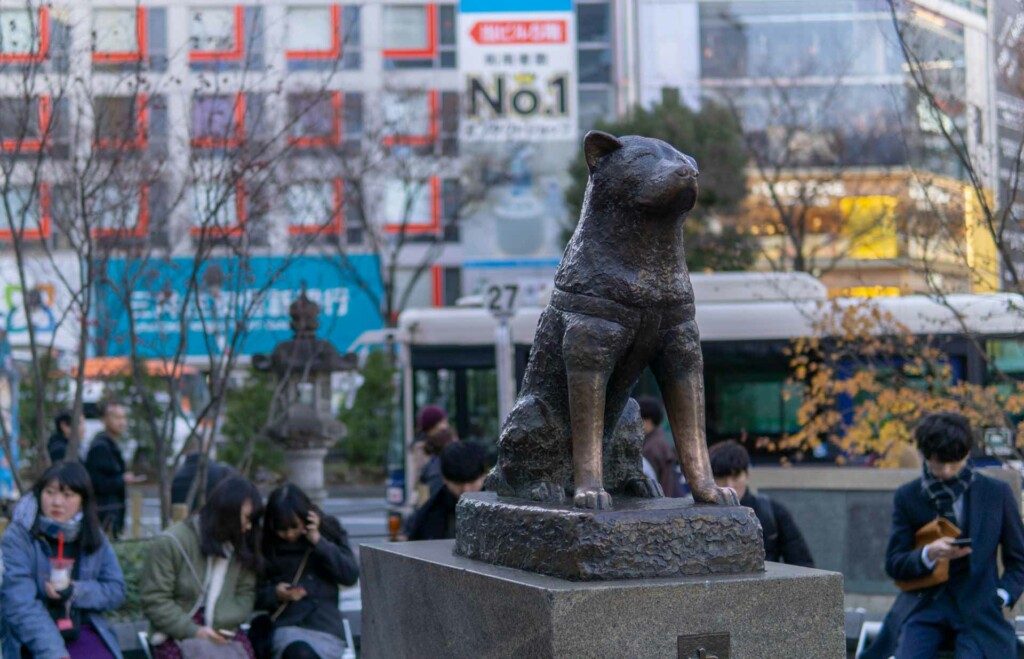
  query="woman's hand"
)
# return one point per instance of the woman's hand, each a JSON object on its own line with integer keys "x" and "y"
{"x": 313, "y": 528}
{"x": 52, "y": 592}
{"x": 289, "y": 593}
{"x": 208, "y": 634}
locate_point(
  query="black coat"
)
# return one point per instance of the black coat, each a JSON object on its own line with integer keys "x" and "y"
{"x": 783, "y": 541}
{"x": 435, "y": 519}
{"x": 106, "y": 470}
{"x": 993, "y": 522}
{"x": 57, "y": 446}
{"x": 186, "y": 473}
{"x": 329, "y": 565}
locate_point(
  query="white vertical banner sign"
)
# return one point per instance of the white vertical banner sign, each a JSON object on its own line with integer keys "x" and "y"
{"x": 518, "y": 61}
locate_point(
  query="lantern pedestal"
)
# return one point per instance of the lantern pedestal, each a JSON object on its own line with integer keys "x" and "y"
{"x": 306, "y": 470}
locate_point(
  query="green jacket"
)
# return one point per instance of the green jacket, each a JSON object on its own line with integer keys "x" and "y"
{"x": 169, "y": 591}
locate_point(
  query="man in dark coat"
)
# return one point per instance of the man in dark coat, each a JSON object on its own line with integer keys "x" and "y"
{"x": 657, "y": 450}
{"x": 783, "y": 542}
{"x": 57, "y": 445}
{"x": 106, "y": 467}
{"x": 463, "y": 467}
{"x": 970, "y": 605}
{"x": 186, "y": 474}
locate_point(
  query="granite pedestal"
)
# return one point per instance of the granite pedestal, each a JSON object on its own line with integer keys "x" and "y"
{"x": 421, "y": 600}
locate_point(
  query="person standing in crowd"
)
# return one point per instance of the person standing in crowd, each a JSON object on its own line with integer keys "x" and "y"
{"x": 307, "y": 558}
{"x": 783, "y": 542}
{"x": 430, "y": 476}
{"x": 657, "y": 450}
{"x": 52, "y": 609}
{"x": 463, "y": 467}
{"x": 186, "y": 474}
{"x": 430, "y": 420}
{"x": 105, "y": 463}
{"x": 57, "y": 445}
{"x": 198, "y": 582}
{"x": 970, "y": 606}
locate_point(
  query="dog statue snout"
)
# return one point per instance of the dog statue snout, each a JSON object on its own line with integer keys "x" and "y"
{"x": 685, "y": 171}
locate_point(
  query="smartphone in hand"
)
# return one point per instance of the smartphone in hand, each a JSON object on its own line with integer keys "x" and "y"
{"x": 226, "y": 634}
{"x": 960, "y": 542}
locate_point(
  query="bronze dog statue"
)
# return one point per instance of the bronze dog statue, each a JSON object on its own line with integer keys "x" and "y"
{"x": 622, "y": 301}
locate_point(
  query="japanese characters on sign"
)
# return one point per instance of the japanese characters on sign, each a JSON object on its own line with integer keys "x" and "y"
{"x": 518, "y": 60}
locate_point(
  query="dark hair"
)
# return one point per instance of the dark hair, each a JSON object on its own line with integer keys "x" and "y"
{"x": 438, "y": 440}
{"x": 288, "y": 506}
{"x": 946, "y": 437}
{"x": 463, "y": 462}
{"x": 104, "y": 406}
{"x": 651, "y": 408}
{"x": 220, "y": 521}
{"x": 64, "y": 416}
{"x": 729, "y": 458}
{"x": 73, "y": 476}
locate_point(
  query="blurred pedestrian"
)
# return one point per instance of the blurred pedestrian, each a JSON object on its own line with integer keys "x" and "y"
{"x": 430, "y": 420}
{"x": 57, "y": 445}
{"x": 783, "y": 541}
{"x": 657, "y": 450}
{"x": 61, "y": 573}
{"x": 430, "y": 476}
{"x": 463, "y": 467}
{"x": 105, "y": 463}
{"x": 186, "y": 474}
{"x": 969, "y": 607}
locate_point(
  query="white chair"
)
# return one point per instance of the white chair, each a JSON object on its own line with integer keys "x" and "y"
{"x": 868, "y": 631}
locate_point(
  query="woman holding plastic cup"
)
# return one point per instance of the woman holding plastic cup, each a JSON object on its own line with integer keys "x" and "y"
{"x": 60, "y": 572}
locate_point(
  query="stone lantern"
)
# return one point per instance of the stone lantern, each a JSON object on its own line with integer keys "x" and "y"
{"x": 302, "y": 420}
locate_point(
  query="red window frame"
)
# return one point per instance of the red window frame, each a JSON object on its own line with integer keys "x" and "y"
{"x": 44, "y": 43}
{"x": 435, "y": 214}
{"x": 239, "y": 119}
{"x": 437, "y": 285}
{"x": 336, "y": 226}
{"x": 333, "y": 52}
{"x": 43, "y": 230}
{"x": 234, "y": 55}
{"x": 419, "y": 53}
{"x": 337, "y": 129}
{"x": 35, "y": 145}
{"x": 224, "y": 232}
{"x": 141, "y": 140}
{"x": 140, "y": 36}
{"x": 141, "y": 223}
{"x": 433, "y": 105}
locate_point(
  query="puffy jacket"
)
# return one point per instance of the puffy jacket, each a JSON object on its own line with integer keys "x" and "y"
{"x": 99, "y": 587}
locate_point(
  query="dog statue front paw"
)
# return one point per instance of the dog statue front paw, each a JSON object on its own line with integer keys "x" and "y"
{"x": 724, "y": 496}
{"x": 592, "y": 498}
{"x": 644, "y": 488}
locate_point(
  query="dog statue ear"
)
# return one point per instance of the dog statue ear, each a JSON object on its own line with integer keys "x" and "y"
{"x": 597, "y": 144}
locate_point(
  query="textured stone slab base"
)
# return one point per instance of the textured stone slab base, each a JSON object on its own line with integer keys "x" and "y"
{"x": 639, "y": 538}
{"x": 419, "y": 600}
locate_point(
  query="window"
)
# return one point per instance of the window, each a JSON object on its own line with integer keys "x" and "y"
{"x": 419, "y": 36}
{"x": 217, "y": 34}
{"x": 24, "y": 124}
{"x": 754, "y": 404}
{"x": 218, "y": 121}
{"x": 119, "y": 35}
{"x": 29, "y": 213}
{"x": 412, "y": 206}
{"x": 313, "y": 32}
{"x": 315, "y": 119}
{"x": 314, "y": 207}
{"x": 120, "y": 212}
{"x": 24, "y": 35}
{"x": 410, "y": 118}
{"x": 217, "y": 210}
{"x": 121, "y": 122}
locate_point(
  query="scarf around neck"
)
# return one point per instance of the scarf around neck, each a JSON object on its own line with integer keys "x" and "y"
{"x": 944, "y": 493}
{"x": 51, "y": 528}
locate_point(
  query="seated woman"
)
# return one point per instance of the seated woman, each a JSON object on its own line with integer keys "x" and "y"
{"x": 198, "y": 583}
{"x": 54, "y": 610}
{"x": 307, "y": 558}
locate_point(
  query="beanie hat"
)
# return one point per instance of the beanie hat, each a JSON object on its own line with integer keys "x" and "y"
{"x": 430, "y": 416}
